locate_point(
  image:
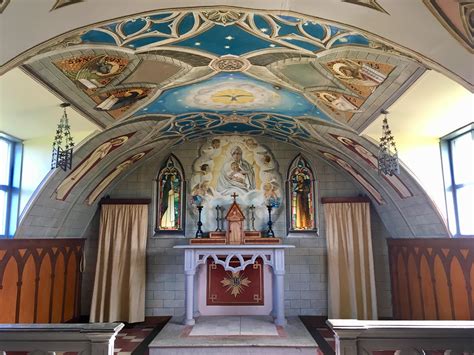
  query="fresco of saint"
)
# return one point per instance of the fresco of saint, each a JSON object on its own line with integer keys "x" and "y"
{"x": 301, "y": 198}
{"x": 169, "y": 202}
{"x": 301, "y": 195}
{"x": 170, "y": 197}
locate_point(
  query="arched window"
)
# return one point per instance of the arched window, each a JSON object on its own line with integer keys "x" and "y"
{"x": 301, "y": 197}
{"x": 171, "y": 194}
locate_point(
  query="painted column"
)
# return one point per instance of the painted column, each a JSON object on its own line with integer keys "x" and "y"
{"x": 189, "y": 271}
{"x": 279, "y": 286}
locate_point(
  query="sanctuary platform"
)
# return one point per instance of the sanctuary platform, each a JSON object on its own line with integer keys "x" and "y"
{"x": 243, "y": 335}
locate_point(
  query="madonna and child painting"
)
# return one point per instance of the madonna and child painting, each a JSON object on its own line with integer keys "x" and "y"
{"x": 235, "y": 164}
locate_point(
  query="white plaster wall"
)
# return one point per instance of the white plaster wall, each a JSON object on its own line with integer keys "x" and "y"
{"x": 306, "y": 279}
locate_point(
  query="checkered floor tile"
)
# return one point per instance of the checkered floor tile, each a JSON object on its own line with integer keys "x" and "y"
{"x": 130, "y": 338}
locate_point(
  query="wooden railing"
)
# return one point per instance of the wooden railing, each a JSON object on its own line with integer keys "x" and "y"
{"x": 356, "y": 337}
{"x": 40, "y": 280}
{"x": 432, "y": 278}
{"x": 83, "y": 339}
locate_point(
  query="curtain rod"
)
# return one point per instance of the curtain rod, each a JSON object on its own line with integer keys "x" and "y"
{"x": 125, "y": 201}
{"x": 344, "y": 199}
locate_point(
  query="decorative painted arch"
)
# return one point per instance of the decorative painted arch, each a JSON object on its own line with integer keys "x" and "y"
{"x": 301, "y": 198}
{"x": 170, "y": 196}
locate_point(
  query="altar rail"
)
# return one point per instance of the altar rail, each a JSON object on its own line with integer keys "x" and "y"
{"x": 40, "y": 280}
{"x": 432, "y": 278}
{"x": 84, "y": 339}
{"x": 356, "y": 337}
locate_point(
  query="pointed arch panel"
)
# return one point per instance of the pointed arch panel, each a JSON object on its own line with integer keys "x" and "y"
{"x": 170, "y": 197}
{"x": 301, "y": 196}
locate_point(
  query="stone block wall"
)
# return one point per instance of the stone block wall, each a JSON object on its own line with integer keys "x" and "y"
{"x": 306, "y": 264}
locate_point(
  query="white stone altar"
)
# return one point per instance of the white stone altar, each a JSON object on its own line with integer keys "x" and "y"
{"x": 271, "y": 255}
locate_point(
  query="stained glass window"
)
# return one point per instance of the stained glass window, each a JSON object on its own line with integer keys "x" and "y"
{"x": 301, "y": 196}
{"x": 170, "y": 191}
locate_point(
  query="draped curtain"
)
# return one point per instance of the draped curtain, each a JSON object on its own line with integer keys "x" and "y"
{"x": 119, "y": 286}
{"x": 351, "y": 289}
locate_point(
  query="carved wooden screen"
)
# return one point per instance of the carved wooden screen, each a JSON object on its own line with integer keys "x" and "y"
{"x": 432, "y": 278}
{"x": 301, "y": 198}
{"x": 170, "y": 199}
{"x": 40, "y": 280}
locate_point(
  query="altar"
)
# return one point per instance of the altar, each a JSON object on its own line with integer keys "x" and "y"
{"x": 235, "y": 258}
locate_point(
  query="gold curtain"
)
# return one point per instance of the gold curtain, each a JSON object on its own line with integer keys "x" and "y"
{"x": 351, "y": 280}
{"x": 119, "y": 286}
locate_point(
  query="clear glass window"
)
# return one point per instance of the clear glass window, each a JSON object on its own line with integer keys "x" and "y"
{"x": 5, "y": 161}
{"x": 457, "y": 153}
{"x": 10, "y": 171}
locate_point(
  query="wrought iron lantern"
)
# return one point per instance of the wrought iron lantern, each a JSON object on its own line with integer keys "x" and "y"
{"x": 63, "y": 143}
{"x": 388, "y": 155}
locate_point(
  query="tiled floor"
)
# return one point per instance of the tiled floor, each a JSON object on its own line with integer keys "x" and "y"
{"x": 133, "y": 339}
{"x": 129, "y": 339}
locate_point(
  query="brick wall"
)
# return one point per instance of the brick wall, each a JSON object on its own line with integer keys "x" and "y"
{"x": 306, "y": 281}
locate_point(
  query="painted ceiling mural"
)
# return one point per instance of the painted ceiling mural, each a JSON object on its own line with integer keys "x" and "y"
{"x": 457, "y": 17}
{"x": 194, "y": 125}
{"x": 169, "y": 77}
{"x": 371, "y": 4}
{"x": 232, "y": 93}
{"x": 223, "y": 61}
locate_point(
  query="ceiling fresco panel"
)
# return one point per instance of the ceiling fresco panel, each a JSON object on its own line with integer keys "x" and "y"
{"x": 457, "y": 17}
{"x": 153, "y": 72}
{"x": 118, "y": 102}
{"x": 340, "y": 105}
{"x": 232, "y": 93}
{"x": 200, "y": 48}
{"x": 362, "y": 77}
{"x": 271, "y": 56}
{"x": 304, "y": 75}
{"x": 371, "y": 4}
{"x": 92, "y": 72}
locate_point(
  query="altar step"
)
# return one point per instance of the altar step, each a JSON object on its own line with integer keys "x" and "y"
{"x": 242, "y": 335}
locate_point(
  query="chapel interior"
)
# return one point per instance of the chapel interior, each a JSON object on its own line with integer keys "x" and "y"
{"x": 241, "y": 177}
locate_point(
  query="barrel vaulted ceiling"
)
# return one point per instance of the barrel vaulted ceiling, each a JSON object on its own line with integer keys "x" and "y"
{"x": 163, "y": 77}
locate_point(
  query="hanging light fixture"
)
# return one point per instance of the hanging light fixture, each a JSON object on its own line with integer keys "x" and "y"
{"x": 63, "y": 143}
{"x": 388, "y": 155}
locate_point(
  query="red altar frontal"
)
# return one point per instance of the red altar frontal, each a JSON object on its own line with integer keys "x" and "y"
{"x": 222, "y": 291}
{"x": 241, "y": 288}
